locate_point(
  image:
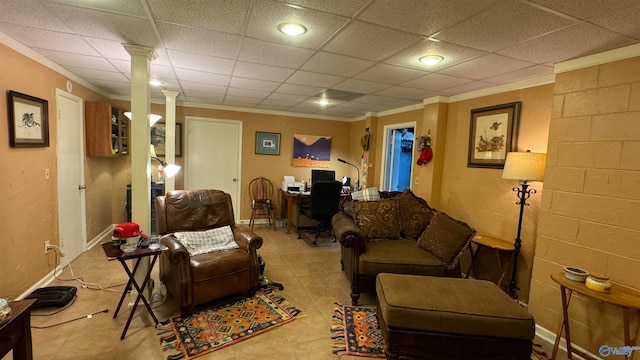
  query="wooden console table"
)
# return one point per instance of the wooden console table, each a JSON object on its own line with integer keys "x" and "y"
{"x": 619, "y": 296}
{"x": 497, "y": 245}
{"x": 15, "y": 332}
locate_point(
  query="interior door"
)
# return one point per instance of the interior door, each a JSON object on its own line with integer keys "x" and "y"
{"x": 213, "y": 156}
{"x": 397, "y": 157}
{"x": 70, "y": 174}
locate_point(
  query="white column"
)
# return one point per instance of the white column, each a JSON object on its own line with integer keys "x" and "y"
{"x": 170, "y": 135}
{"x": 139, "y": 140}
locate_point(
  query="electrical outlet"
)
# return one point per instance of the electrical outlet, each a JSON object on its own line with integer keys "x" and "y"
{"x": 47, "y": 246}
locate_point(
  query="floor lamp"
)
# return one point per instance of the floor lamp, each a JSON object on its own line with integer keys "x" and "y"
{"x": 524, "y": 166}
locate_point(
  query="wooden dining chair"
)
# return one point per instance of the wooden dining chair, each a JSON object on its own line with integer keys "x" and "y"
{"x": 262, "y": 193}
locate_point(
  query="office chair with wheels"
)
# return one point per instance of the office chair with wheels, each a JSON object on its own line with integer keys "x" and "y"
{"x": 324, "y": 202}
{"x": 262, "y": 194}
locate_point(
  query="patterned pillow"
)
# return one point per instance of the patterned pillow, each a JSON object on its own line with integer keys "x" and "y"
{"x": 200, "y": 242}
{"x": 415, "y": 214}
{"x": 368, "y": 194}
{"x": 446, "y": 238}
{"x": 378, "y": 219}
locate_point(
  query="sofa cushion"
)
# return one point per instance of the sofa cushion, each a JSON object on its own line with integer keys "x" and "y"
{"x": 368, "y": 194}
{"x": 400, "y": 256}
{"x": 201, "y": 242}
{"x": 415, "y": 214}
{"x": 446, "y": 238}
{"x": 378, "y": 219}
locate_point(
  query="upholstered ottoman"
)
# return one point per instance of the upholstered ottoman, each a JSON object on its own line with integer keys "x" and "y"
{"x": 447, "y": 318}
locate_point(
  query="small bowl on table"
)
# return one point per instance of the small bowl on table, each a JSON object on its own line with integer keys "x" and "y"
{"x": 575, "y": 273}
{"x": 128, "y": 247}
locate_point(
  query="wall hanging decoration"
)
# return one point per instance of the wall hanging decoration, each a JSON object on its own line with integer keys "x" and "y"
{"x": 267, "y": 143}
{"x": 364, "y": 141}
{"x": 493, "y": 133}
{"x": 311, "y": 151}
{"x": 28, "y": 120}
{"x": 424, "y": 148}
{"x": 158, "y": 135}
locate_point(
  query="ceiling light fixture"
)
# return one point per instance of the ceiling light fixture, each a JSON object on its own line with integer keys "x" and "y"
{"x": 155, "y": 82}
{"x": 153, "y": 118}
{"x": 431, "y": 59}
{"x": 324, "y": 102}
{"x": 292, "y": 29}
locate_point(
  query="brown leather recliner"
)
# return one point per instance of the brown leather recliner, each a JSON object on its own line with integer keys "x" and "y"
{"x": 193, "y": 280}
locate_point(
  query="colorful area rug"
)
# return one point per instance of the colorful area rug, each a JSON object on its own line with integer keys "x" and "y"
{"x": 355, "y": 331}
{"x": 213, "y": 329}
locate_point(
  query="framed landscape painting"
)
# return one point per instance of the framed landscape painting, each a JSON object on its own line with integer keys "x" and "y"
{"x": 493, "y": 133}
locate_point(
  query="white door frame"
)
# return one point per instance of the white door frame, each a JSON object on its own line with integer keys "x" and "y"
{"x": 385, "y": 144}
{"x": 238, "y": 198}
{"x": 64, "y": 187}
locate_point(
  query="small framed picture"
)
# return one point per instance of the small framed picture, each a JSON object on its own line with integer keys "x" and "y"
{"x": 267, "y": 143}
{"x": 158, "y": 134}
{"x": 493, "y": 133}
{"x": 28, "y": 120}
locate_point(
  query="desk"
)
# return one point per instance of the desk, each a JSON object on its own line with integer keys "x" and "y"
{"x": 624, "y": 298}
{"x": 114, "y": 253}
{"x": 497, "y": 245}
{"x": 15, "y": 332}
{"x": 288, "y": 199}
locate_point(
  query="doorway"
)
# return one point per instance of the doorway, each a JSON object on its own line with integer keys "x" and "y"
{"x": 70, "y": 173}
{"x": 213, "y": 156}
{"x": 397, "y": 156}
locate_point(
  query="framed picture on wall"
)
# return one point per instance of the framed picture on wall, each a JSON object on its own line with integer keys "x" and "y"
{"x": 267, "y": 143}
{"x": 493, "y": 133}
{"x": 158, "y": 136}
{"x": 28, "y": 120}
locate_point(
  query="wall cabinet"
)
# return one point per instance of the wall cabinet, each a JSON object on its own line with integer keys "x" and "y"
{"x": 106, "y": 129}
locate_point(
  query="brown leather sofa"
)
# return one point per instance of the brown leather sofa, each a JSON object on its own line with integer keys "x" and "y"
{"x": 365, "y": 256}
{"x": 193, "y": 280}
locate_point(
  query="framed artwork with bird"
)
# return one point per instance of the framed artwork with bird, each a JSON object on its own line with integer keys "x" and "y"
{"x": 493, "y": 132}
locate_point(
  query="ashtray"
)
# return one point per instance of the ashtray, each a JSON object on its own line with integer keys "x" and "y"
{"x": 127, "y": 248}
{"x": 575, "y": 273}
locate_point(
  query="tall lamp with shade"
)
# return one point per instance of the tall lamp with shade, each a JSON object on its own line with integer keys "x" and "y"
{"x": 524, "y": 166}
{"x": 170, "y": 170}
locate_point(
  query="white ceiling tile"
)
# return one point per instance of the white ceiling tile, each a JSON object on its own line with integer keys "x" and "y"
{"x": 263, "y": 52}
{"x": 191, "y": 61}
{"x": 110, "y": 49}
{"x": 256, "y": 94}
{"x": 93, "y": 74}
{"x": 295, "y": 98}
{"x": 203, "y": 77}
{"x": 31, "y": 13}
{"x": 261, "y": 72}
{"x": 280, "y": 103}
{"x": 328, "y": 63}
{"x": 121, "y": 6}
{"x": 501, "y": 25}
{"x": 436, "y": 82}
{"x": 572, "y": 42}
{"x": 526, "y": 73}
{"x": 485, "y": 66}
{"x": 299, "y": 89}
{"x": 375, "y": 99}
{"x": 199, "y": 41}
{"x": 68, "y": 59}
{"x": 313, "y": 79}
{"x": 465, "y": 88}
{"x": 190, "y": 86}
{"x": 193, "y": 93}
{"x": 232, "y": 100}
{"x": 369, "y": 41}
{"x": 48, "y": 40}
{"x": 267, "y": 15}
{"x": 221, "y": 15}
{"x": 339, "y": 7}
{"x": 624, "y": 21}
{"x": 453, "y": 54}
{"x": 360, "y": 86}
{"x": 113, "y": 85}
{"x": 585, "y": 9}
{"x": 389, "y": 74}
{"x": 266, "y": 105}
{"x": 244, "y": 83}
{"x": 205, "y": 100}
{"x": 160, "y": 72}
{"x": 423, "y": 17}
{"x": 403, "y": 92}
{"x": 124, "y": 66}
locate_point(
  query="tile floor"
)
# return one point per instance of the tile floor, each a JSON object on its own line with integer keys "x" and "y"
{"x": 311, "y": 276}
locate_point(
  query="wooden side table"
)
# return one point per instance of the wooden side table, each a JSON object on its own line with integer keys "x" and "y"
{"x": 15, "y": 331}
{"x": 624, "y": 298}
{"x": 497, "y": 245}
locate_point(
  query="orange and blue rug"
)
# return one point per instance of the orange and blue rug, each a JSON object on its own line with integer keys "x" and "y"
{"x": 216, "y": 328}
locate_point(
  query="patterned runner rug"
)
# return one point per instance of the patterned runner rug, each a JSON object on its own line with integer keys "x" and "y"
{"x": 213, "y": 329}
{"x": 355, "y": 331}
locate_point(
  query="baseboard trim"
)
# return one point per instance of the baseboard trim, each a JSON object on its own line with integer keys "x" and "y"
{"x": 550, "y": 337}
{"x": 106, "y": 234}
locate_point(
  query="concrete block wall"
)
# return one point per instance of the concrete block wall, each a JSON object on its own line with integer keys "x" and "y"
{"x": 590, "y": 207}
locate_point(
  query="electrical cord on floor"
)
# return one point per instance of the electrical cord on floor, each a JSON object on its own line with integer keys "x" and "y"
{"x": 60, "y": 253}
{"x": 33, "y": 313}
{"x": 88, "y": 316}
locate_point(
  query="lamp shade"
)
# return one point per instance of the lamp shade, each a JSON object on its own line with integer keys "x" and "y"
{"x": 153, "y": 118}
{"x": 152, "y": 151}
{"x": 527, "y": 166}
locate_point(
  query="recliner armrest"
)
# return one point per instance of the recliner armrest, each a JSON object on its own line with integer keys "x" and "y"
{"x": 246, "y": 239}
{"x": 177, "y": 253}
{"x": 346, "y": 230}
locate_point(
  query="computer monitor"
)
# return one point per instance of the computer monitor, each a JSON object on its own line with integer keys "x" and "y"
{"x": 322, "y": 175}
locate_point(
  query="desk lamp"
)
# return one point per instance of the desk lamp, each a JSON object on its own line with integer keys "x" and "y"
{"x": 357, "y": 187}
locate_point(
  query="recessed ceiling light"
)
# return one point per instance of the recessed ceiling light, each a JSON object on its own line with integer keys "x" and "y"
{"x": 292, "y": 29}
{"x": 155, "y": 82}
{"x": 324, "y": 102}
{"x": 431, "y": 59}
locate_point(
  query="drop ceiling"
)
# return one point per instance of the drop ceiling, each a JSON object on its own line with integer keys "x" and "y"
{"x": 230, "y": 53}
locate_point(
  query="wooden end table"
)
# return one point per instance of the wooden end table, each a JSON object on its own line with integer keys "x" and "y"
{"x": 497, "y": 245}
{"x": 619, "y": 296}
{"x": 15, "y": 331}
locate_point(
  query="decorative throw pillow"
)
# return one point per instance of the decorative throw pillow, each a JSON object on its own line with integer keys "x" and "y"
{"x": 368, "y": 194}
{"x": 200, "y": 242}
{"x": 446, "y": 238}
{"x": 378, "y": 219}
{"x": 415, "y": 214}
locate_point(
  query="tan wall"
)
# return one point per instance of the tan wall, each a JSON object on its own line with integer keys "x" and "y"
{"x": 591, "y": 201}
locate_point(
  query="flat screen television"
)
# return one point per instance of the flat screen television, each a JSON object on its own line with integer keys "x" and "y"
{"x": 322, "y": 175}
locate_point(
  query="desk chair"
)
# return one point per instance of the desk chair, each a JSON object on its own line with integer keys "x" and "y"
{"x": 262, "y": 194}
{"x": 323, "y": 204}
